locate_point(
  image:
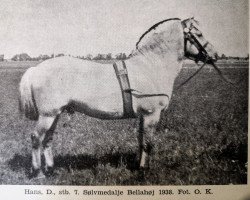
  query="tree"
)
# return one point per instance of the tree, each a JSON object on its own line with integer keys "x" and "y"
{"x": 223, "y": 56}
{"x": 109, "y": 56}
{"x": 121, "y": 56}
{"x": 89, "y": 57}
{"x": 43, "y": 57}
{"x": 21, "y": 57}
{"x": 59, "y": 55}
{"x": 1, "y": 57}
{"x": 99, "y": 57}
{"x": 247, "y": 58}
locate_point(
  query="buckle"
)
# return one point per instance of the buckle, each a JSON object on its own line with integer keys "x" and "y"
{"x": 122, "y": 72}
{"x": 186, "y": 30}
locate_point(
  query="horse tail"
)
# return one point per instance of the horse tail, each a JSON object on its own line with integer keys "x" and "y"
{"x": 27, "y": 103}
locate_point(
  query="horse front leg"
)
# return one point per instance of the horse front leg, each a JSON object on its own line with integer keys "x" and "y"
{"x": 147, "y": 127}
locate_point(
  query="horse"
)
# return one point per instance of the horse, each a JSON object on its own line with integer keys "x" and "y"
{"x": 92, "y": 88}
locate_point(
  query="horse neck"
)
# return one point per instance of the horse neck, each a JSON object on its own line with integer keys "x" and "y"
{"x": 160, "y": 58}
{"x": 164, "y": 44}
{"x": 157, "y": 71}
{"x": 162, "y": 67}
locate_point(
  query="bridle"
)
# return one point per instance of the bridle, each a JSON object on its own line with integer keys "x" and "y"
{"x": 202, "y": 55}
{"x": 192, "y": 38}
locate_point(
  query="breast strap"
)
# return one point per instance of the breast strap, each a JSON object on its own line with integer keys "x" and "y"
{"x": 122, "y": 76}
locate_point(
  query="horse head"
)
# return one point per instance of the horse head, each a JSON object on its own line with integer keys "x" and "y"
{"x": 196, "y": 46}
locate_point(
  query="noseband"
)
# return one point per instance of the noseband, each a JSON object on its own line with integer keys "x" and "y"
{"x": 189, "y": 36}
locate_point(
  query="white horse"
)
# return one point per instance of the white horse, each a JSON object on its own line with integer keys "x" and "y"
{"x": 93, "y": 89}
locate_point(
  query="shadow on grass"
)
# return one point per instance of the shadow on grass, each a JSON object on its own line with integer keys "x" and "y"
{"x": 20, "y": 162}
{"x": 235, "y": 152}
{"x": 79, "y": 162}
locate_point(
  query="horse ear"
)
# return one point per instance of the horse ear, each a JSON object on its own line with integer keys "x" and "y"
{"x": 192, "y": 20}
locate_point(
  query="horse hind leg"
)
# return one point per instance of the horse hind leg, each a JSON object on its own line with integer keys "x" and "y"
{"x": 47, "y": 146}
{"x": 41, "y": 138}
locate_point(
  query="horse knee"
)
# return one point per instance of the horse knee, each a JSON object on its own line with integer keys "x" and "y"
{"x": 150, "y": 122}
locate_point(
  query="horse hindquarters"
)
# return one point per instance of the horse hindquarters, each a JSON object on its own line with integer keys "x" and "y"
{"x": 27, "y": 103}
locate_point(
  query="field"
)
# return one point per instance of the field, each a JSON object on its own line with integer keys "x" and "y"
{"x": 201, "y": 139}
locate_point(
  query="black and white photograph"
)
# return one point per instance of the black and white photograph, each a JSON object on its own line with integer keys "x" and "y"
{"x": 124, "y": 93}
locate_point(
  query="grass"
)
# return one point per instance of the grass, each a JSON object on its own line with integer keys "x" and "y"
{"x": 201, "y": 139}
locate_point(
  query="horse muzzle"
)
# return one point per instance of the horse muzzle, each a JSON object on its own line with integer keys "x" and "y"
{"x": 214, "y": 57}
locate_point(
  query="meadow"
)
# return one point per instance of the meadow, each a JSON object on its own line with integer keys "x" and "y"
{"x": 201, "y": 139}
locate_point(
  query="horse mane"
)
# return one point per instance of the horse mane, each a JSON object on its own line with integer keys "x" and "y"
{"x": 153, "y": 28}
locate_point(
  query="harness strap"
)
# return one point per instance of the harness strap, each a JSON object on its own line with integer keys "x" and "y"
{"x": 122, "y": 76}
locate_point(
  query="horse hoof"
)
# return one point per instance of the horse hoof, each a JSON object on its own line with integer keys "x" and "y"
{"x": 141, "y": 175}
{"x": 49, "y": 171}
{"x": 166, "y": 130}
{"x": 144, "y": 168}
{"x": 40, "y": 176}
{"x": 36, "y": 174}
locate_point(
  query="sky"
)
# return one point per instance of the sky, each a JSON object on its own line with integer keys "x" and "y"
{"x": 81, "y": 27}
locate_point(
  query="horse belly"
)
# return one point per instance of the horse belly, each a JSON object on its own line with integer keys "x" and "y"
{"x": 100, "y": 98}
{"x": 108, "y": 107}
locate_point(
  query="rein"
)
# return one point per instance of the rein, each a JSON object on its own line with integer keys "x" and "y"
{"x": 222, "y": 76}
{"x": 197, "y": 71}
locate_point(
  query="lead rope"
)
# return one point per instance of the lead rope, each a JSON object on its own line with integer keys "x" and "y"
{"x": 224, "y": 77}
{"x": 197, "y": 71}
{"x": 216, "y": 68}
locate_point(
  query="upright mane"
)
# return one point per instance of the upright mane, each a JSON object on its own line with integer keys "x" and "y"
{"x": 153, "y": 28}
